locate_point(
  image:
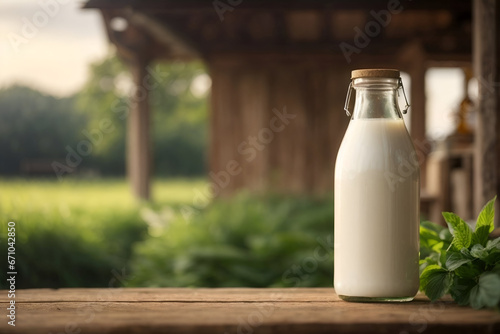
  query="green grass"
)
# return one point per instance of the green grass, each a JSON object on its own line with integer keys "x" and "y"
{"x": 78, "y": 232}
{"x": 96, "y": 194}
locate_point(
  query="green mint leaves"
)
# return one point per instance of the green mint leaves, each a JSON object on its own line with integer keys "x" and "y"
{"x": 462, "y": 233}
{"x": 486, "y": 292}
{"x": 461, "y": 261}
{"x": 455, "y": 260}
{"x": 435, "y": 281}
{"x": 484, "y": 224}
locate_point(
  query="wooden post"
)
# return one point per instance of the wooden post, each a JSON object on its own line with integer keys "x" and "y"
{"x": 138, "y": 134}
{"x": 412, "y": 60}
{"x": 418, "y": 116}
{"x": 486, "y": 70}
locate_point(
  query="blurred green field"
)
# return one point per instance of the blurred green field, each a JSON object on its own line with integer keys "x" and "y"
{"x": 73, "y": 233}
{"x": 96, "y": 195}
{"x": 81, "y": 233}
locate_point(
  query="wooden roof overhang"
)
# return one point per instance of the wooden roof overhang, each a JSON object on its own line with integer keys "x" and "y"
{"x": 193, "y": 29}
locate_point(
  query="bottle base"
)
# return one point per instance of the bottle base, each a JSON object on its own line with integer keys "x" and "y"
{"x": 376, "y": 299}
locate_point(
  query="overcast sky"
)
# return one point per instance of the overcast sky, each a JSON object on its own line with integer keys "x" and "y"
{"x": 50, "y": 49}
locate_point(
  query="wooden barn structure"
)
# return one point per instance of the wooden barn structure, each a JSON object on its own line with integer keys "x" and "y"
{"x": 280, "y": 70}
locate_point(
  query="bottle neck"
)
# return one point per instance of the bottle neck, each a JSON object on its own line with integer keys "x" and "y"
{"x": 376, "y": 98}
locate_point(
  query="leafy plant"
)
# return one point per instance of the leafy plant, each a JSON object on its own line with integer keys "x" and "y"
{"x": 179, "y": 118}
{"x": 246, "y": 240}
{"x": 461, "y": 261}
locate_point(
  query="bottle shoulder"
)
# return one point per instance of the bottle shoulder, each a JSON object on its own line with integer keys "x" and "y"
{"x": 375, "y": 144}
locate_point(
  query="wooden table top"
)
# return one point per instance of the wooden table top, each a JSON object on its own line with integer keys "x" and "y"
{"x": 238, "y": 310}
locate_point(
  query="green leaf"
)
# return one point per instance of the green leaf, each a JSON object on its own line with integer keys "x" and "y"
{"x": 489, "y": 254}
{"x": 485, "y": 223}
{"x": 487, "y": 215}
{"x": 446, "y": 236}
{"x": 478, "y": 251}
{"x": 429, "y": 237}
{"x": 435, "y": 281}
{"x": 486, "y": 292}
{"x": 466, "y": 252}
{"x": 442, "y": 258}
{"x": 472, "y": 269}
{"x": 469, "y": 270}
{"x": 480, "y": 236}
{"x": 424, "y": 263}
{"x": 493, "y": 257}
{"x": 462, "y": 233}
{"x": 455, "y": 259}
{"x": 460, "y": 290}
{"x": 491, "y": 244}
{"x": 496, "y": 269}
{"x": 432, "y": 226}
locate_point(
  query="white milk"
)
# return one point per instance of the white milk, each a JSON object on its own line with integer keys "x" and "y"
{"x": 376, "y": 211}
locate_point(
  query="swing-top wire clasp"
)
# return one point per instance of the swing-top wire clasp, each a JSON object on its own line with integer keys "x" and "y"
{"x": 350, "y": 88}
{"x": 400, "y": 85}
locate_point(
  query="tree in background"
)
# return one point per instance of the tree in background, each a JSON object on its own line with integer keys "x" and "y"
{"x": 178, "y": 109}
{"x": 36, "y": 126}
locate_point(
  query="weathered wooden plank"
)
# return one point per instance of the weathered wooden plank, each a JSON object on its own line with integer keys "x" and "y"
{"x": 300, "y": 158}
{"x": 239, "y": 310}
{"x": 222, "y": 128}
{"x": 173, "y": 295}
{"x": 239, "y": 317}
{"x": 252, "y": 92}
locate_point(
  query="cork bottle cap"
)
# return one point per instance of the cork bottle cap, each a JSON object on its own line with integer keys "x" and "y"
{"x": 375, "y": 73}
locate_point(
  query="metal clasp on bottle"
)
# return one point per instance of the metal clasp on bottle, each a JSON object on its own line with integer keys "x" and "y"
{"x": 350, "y": 88}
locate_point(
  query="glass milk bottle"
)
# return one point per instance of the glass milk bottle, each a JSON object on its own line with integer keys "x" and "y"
{"x": 376, "y": 197}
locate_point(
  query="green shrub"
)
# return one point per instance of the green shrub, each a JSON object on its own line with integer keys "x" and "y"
{"x": 69, "y": 234}
{"x": 50, "y": 253}
{"x": 244, "y": 241}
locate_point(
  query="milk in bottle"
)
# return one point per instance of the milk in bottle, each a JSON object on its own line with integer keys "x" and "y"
{"x": 376, "y": 225}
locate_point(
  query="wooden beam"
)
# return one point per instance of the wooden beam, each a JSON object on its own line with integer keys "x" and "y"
{"x": 486, "y": 69}
{"x": 132, "y": 43}
{"x": 189, "y": 5}
{"x": 182, "y": 34}
{"x": 138, "y": 134}
{"x": 177, "y": 44}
